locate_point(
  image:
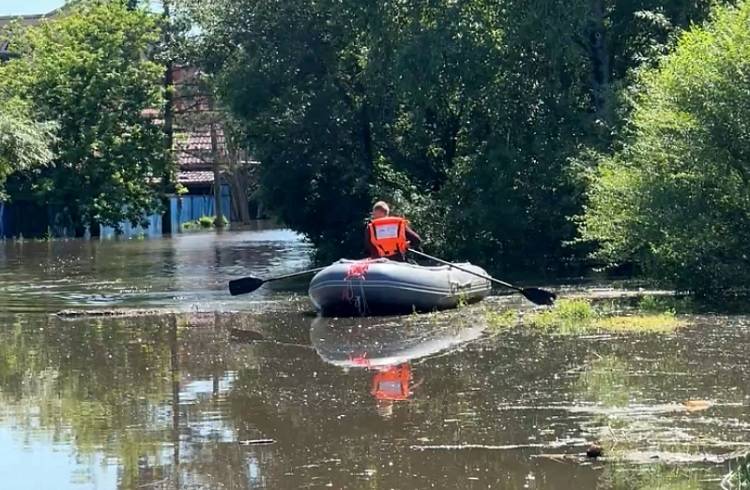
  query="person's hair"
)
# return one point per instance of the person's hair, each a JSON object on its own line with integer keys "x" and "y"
{"x": 383, "y": 206}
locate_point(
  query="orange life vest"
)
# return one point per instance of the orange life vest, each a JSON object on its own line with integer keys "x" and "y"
{"x": 388, "y": 236}
{"x": 392, "y": 384}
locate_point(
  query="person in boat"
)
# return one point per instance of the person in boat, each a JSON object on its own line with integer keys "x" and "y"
{"x": 389, "y": 236}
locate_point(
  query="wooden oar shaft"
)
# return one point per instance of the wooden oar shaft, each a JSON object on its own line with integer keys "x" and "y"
{"x": 468, "y": 271}
{"x": 249, "y": 284}
{"x": 295, "y": 274}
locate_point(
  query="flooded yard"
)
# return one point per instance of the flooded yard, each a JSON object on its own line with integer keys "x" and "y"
{"x": 210, "y": 391}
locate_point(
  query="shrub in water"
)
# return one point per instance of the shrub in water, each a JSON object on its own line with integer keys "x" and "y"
{"x": 206, "y": 221}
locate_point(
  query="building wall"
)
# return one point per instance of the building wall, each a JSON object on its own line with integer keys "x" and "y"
{"x": 191, "y": 207}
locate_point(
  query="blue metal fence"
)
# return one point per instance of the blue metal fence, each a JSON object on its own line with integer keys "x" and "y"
{"x": 28, "y": 220}
{"x": 153, "y": 229}
{"x": 192, "y": 207}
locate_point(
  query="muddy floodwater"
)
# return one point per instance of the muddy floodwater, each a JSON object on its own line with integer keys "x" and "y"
{"x": 219, "y": 392}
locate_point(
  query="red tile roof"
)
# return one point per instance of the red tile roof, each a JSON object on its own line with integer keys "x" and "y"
{"x": 193, "y": 149}
{"x": 192, "y": 178}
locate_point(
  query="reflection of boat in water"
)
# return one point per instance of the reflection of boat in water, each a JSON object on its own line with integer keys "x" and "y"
{"x": 383, "y": 286}
{"x": 384, "y": 344}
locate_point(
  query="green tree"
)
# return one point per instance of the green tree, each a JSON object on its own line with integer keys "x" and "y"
{"x": 295, "y": 84}
{"x": 465, "y": 114}
{"x": 24, "y": 143}
{"x": 92, "y": 71}
{"x": 533, "y": 85}
{"x": 675, "y": 198}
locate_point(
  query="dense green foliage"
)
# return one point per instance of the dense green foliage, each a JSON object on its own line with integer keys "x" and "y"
{"x": 676, "y": 198}
{"x": 491, "y": 124}
{"x": 90, "y": 71}
{"x": 24, "y": 143}
{"x": 465, "y": 114}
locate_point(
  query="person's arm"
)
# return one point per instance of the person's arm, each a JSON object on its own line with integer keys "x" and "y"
{"x": 414, "y": 239}
{"x": 368, "y": 246}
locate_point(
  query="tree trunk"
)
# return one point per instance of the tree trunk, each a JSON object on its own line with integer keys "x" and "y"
{"x": 166, "y": 223}
{"x": 219, "y": 213}
{"x": 216, "y": 157}
{"x": 367, "y": 143}
{"x": 239, "y": 195}
{"x": 367, "y": 136}
{"x": 599, "y": 60}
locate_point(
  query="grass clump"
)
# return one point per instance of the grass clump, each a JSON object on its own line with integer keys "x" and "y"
{"x": 650, "y": 323}
{"x": 656, "y": 477}
{"x": 497, "y": 320}
{"x": 572, "y": 316}
{"x": 567, "y": 316}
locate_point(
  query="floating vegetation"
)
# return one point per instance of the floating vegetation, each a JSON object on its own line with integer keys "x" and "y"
{"x": 501, "y": 320}
{"x": 650, "y": 477}
{"x": 628, "y": 429}
{"x": 739, "y": 476}
{"x": 605, "y": 382}
{"x": 575, "y": 316}
{"x": 567, "y": 316}
{"x": 651, "y": 323}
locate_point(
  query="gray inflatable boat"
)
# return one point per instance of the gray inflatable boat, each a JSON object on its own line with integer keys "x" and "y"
{"x": 382, "y": 286}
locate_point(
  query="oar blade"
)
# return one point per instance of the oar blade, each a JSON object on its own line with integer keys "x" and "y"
{"x": 244, "y": 285}
{"x": 539, "y": 296}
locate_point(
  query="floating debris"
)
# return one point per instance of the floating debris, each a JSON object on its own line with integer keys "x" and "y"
{"x": 645, "y": 457}
{"x": 697, "y": 405}
{"x": 256, "y": 442}
{"x": 107, "y": 313}
{"x": 594, "y": 451}
{"x": 504, "y": 447}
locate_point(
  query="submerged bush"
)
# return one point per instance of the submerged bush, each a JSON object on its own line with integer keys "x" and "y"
{"x": 206, "y": 221}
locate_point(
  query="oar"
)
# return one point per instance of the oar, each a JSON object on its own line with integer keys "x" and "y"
{"x": 535, "y": 295}
{"x": 249, "y": 284}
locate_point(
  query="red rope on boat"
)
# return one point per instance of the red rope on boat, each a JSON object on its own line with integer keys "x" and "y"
{"x": 358, "y": 269}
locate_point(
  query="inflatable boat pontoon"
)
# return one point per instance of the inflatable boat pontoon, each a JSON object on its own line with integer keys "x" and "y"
{"x": 382, "y": 286}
